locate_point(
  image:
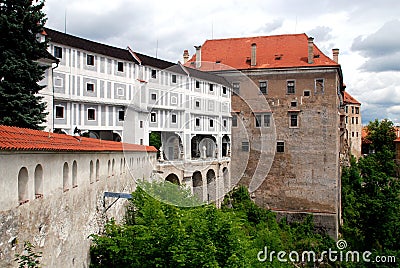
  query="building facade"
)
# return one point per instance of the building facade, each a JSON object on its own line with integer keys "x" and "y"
{"x": 353, "y": 124}
{"x": 118, "y": 94}
{"x": 287, "y": 99}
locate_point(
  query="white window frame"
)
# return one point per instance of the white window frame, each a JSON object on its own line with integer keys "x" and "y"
{"x": 122, "y": 64}
{"x": 87, "y": 113}
{"x": 297, "y": 120}
{"x": 119, "y": 119}
{"x": 87, "y": 59}
{"x": 90, "y": 83}
{"x": 63, "y": 111}
{"x": 176, "y": 119}
{"x": 122, "y": 90}
{"x": 155, "y": 117}
{"x": 174, "y": 100}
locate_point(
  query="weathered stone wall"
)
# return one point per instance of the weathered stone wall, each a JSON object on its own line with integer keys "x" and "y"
{"x": 305, "y": 177}
{"x": 59, "y": 222}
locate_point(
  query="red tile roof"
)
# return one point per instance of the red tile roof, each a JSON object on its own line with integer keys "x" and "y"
{"x": 23, "y": 139}
{"x": 278, "y": 51}
{"x": 350, "y": 99}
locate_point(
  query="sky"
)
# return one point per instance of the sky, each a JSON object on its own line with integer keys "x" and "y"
{"x": 366, "y": 32}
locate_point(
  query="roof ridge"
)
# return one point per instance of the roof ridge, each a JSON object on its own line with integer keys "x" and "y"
{"x": 258, "y": 36}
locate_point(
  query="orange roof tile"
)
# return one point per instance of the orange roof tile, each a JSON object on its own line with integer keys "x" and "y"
{"x": 350, "y": 99}
{"x": 278, "y": 51}
{"x": 14, "y": 138}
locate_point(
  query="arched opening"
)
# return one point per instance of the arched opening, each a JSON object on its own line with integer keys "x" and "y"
{"x": 116, "y": 137}
{"x": 38, "y": 181}
{"x": 65, "y": 177}
{"x": 109, "y": 168}
{"x": 197, "y": 183}
{"x": 91, "y": 175}
{"x": 74, "y": 174}
{"x": 97, "y": 170}
{"x": 23, "y": 186}
{"x": 173, "y": 179}
{"x": 225, "y": 174}
{"x": 172, "y": 146}
{"x": 225, "y": 146}
{"x": 203, "y": 146}
{"x": 211, "y": 186}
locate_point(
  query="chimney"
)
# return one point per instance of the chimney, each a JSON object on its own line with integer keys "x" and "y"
{"x": 310, "y": 50}
{"x": 253, "y": 61}
{"x": 335, "y": 53}
{"x": 198, "y": 56}
{"x": 185, "y": 56}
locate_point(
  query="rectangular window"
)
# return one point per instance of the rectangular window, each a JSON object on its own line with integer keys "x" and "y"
{"x": 211, "y": 123}
{"x": 90, "y": 87}
{"x": 356, "y": 120}
{"x": 346, "y": 109}
{"x": 224, "y": 90}
{"x": 174, "y": 100}
{"x": 211, "y": 87}
{"x": 58, "y": 52}
{"x": 141, "y": 124}
{"x": 173, "y": 118}
{"x": 154, "y": 74}
{"x": 306, "y": 93}
{"x": 258, "y": 120}
{"x": 357, "y": 110}
{"x": 347, "y": 119}
{"x": 352, "y": 120}
{"x": 291, "y": 87}
{"x": 234, "y": 121}
{"x": 352, "y": 134}
{"x": 120, "y": 66}
{"x": 153, "y": 117}
{"x": 267, "y": 120}
{"x": 319, "y": 85}
{"x": 90, "y": 60}
{"x": 141, "y": 141}
{"x": 245, "y": 146}
{"x": 224, "y": 123}
{"x": 197, "y": 122}
{"x": 60, "y": 112}
{"x": 263, "y": 87}
{"x": 294, "y": 122}
{"x": 280, "y": 147}
{"x": 91, "y": 114}
{"x": 293, "y": 104}
{"x": 357, "y": 134}
{"x": 197, "y": 84}
{"x": 236, "y": 87}
{"x": 121, "y": 115}
{"x": 352, "y": 109}
{"x": 174, "y": 78}
{"x": 197, "y": 104}
{"x": 153, "y": 96}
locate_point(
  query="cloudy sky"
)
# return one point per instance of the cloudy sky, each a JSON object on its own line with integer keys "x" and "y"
{"x": 366, "y": 32}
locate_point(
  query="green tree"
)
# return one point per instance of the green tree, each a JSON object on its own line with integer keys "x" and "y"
{"x": 371, "y": 197}
{"x": 381, "y": 134}
{"x": 29, "y": 258}
{"x": 20, "y": 22}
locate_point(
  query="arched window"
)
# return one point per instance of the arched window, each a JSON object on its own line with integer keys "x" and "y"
{"x": 65, "y": 177}
{"x": 91, "y": 172}
{"x": 211, "y": 186}
{"x": 113, "y": 167}
{"x": 97, "y": 170}
{"x": 38, "y": 181}
{"x": 173, "y": 179}
{"x": 74, "y": 174}
{"x": 23, "y": 186}
{"x": 197, "y": 183}
{"x": 109, "y": 168}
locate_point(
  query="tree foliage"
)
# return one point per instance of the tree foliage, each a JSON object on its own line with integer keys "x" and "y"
{"x": 371, "y": 197}
{"x": 20, "y": 22}
{"x": 156, "y": 234}
{"x": 28, "y": 258}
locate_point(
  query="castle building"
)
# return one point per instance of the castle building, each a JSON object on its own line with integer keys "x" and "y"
{"x": 353, "y": 124}
{"x": 118, "y": 94}
{"x": 286, "y": 116}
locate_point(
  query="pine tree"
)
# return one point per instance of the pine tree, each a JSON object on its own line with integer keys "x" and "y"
{"x": 20, "y": 72}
